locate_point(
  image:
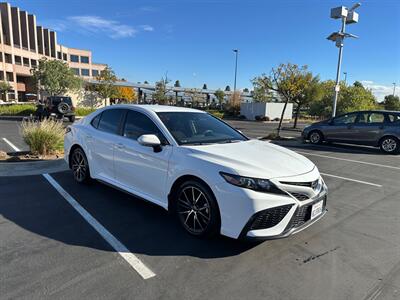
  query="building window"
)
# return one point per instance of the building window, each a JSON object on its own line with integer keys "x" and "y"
{"x": 65, "y": 56}
{"x": 1, "y": 75}
{"x": 85, "y": 72}
{"x": 58, "y": 54}
{"x": 1, "y": 56}
{"x": 85, "y": 59}
{"x": 8, "y": 58}
{"x": 74, "y": 58}
{"x": 9, "y": 76}
{"x": 76, "y": 71}
{"x": 26, "y": 62}
{"x": 95, "y": 73}
{"x": 18, "y": 60}
{"x": 33, "y": 63}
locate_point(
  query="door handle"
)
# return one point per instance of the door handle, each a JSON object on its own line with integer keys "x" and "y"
{"x": 88, "y": 136}
{"x": 120, "y": 146}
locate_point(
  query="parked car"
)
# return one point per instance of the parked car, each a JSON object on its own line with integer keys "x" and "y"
{"x": 56, "y": 106}
{"x": 373, "y": 128}
{"x": 210, "y": 175}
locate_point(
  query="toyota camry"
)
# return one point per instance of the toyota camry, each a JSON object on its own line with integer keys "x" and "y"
{"x": 211, "y": 176}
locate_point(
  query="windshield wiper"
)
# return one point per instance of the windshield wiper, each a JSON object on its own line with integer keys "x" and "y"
{"x": 229, "y": 141}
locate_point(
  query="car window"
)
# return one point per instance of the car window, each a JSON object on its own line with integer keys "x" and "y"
{"x": 137, "y": 124}
{"x": 198, "y": 128}
{"x": 394, "y": 118}
{"x": 110, "y": 120}
{"x": 370, "y": 118}
{"x": 345, "y": 119}
{"x": 95, "y": 121}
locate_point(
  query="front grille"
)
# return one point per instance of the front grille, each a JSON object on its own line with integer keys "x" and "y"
{"x": 300, "y": 196}
{"x": 303, "y": 214}
{"x": 270, "y": 217}
{"x": 306, "y": 184}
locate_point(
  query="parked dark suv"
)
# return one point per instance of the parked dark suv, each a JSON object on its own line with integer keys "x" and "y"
{"x": 373, "y": 128}
{"x": 57, "y": 106}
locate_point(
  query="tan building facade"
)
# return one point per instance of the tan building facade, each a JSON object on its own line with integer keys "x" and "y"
{"x": 23, "y": 42}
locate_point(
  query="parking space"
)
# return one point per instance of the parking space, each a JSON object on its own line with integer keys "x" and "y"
{"x": 49, "y": 249}
{"x": 10, "y": 137}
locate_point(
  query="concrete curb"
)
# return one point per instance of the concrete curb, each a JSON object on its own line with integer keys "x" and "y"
{"x": 13, "y": 118}
{"x": 32, "y": 167}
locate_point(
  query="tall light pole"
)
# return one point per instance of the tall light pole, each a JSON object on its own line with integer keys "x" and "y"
{"x": 236, "y": 60}
{"x": 347, "y": 16}
{"x": 345, "y": 78}
{"x": 394, "y": 89}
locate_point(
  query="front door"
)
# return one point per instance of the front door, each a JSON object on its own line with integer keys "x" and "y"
{"x": 341, "y": 128}
{"x": 138, "y": 168}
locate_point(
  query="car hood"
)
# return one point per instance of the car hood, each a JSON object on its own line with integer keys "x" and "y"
{"x": 254, "y": 158}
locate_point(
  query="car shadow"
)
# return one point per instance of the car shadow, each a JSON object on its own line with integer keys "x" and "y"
{"x": 142, "y": 227}
{"x": 332, "y": 147}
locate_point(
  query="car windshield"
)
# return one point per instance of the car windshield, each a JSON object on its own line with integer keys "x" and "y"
{"x": 192, "y": 128}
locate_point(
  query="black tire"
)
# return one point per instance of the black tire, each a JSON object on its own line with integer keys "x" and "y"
{"x": 80, "y": 166}
{"x": 63, "y": 108}
{"x": 389, "y": 145}
{"x": 315, "y": 137}
{"x": 196, "y": 209}
{"x": 71, "y": 119}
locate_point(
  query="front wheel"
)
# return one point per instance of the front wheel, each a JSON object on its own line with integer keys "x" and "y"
{"x": 315, "y": 137}
{"x": 390, "y": 145}
{"x": 80, "y": 166}
{"x": 197, "y": 209}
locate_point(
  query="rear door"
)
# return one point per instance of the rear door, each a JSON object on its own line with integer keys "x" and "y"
{"x": 370, "y": 127}
{"x": 102, "y": 139}
{"x": 341, "y": 128}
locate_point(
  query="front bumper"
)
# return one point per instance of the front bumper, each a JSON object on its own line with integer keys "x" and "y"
{"x": 250, "y": 214}
{"x": 298, "y": 221}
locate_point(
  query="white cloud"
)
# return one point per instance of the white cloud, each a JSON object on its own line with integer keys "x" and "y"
{"x": 380, "y": 90}
{"x": 146, "y": 28}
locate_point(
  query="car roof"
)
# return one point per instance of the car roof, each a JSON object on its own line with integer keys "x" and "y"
{"x": 157, "y": 108}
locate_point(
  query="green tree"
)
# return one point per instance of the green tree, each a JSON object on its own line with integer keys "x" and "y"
{"x": 55, "y": 77}
{"x": 146, "y": 82}
{"x": 358, "y": 84}
{"x": 219, "y": 94}
{"x": 245, "y": 90}
{"x": 177, "y": 84}
{"x": 205, "y": 86}
{"x": 351, "y": 98}
{"x": 291, "y": 83}
{"x": 105, "y": 86}
{"x": 161, "y": 90}
{"x": 391, "y": 102}
{"x": 261, "y": 89}
{"x": 5, "y": 87}
{"x": 227, "y": 88}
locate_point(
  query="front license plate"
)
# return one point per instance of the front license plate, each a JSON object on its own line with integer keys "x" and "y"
{"x": 316, "y": 209}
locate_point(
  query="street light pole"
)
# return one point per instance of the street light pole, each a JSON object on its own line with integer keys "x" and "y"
{"x": 347, "y": 16}
{"x": 345, "y": 78}
{"x": 236, "y": 61}
{"x": 394, "y": 89}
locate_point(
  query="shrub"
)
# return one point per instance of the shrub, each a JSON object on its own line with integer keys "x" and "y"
{"x": 277, "y": 119}
{"x": 242, "y": 117}
{"x": 261, "y": 118}
{"x": 44, "y": 137}
{"x": 84, "y": 111}
{"x": 17, "y": 109}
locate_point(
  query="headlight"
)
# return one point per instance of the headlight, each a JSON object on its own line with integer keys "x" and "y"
{"x": 256, "y": 184}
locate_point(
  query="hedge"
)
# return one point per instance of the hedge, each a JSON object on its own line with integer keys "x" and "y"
{"x": 17, "y": 109}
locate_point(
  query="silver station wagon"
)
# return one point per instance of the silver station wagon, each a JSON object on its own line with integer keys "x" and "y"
{"x": 372, "y": 128}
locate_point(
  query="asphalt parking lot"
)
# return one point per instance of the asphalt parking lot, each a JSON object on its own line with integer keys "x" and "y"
{"x": 48, "y": 249}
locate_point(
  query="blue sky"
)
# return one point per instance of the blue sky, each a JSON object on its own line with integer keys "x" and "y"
{"x": 193, "y": 40}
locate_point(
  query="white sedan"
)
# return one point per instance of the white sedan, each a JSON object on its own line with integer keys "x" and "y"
{"x": 210, "y": 175}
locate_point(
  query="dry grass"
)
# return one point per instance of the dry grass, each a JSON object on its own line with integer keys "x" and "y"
{"x": 44, "y": 137}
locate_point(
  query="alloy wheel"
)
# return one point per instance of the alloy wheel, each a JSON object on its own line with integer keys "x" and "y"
{"x": 315, "y": 137}
{"x": 389, "y": 145}
{"x": 193, "y": 209}
{"x": 79, "y": 166}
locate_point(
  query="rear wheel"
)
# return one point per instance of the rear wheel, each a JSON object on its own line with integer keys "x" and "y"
{"x": 80, "y": 166}
{"x": 390, "y": 145}
{"x": 315, "y": 137}
{"x": 71, "y": 119}
{"x": 197, "y": 209}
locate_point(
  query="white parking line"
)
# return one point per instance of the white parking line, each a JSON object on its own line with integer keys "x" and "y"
{"x": 132, "y": 259}
{"x": 350, "y": 179}
{"x": 15, "y": 148}
{"x": 350, "y": 160}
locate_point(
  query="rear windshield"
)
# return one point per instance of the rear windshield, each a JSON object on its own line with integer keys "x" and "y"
{"x": 61, "y": 99}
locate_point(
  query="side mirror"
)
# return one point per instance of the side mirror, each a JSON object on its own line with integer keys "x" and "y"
{"x": 150, "y": 140}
